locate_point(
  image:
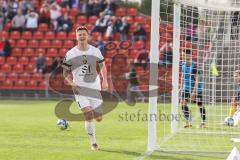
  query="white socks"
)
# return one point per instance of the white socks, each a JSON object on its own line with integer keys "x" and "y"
{"x": 90, "y": 127}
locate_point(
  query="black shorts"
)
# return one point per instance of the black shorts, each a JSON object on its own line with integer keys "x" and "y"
{"x": 199, "y": 98}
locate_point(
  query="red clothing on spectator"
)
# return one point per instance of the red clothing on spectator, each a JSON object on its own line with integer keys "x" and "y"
{"x": 2, "y": 46}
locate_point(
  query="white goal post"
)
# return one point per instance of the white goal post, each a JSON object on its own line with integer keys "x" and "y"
{"x": 212, "y": 35}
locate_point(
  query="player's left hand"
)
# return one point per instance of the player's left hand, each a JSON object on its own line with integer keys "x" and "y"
{"x": 104, "y": 85}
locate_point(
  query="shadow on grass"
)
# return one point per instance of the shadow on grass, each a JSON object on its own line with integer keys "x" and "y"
{"x": 188, "y": 155}
{"x": 131, "y": 153}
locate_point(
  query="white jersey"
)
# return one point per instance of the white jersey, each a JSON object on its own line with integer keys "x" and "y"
{"x": 83, "y": 66}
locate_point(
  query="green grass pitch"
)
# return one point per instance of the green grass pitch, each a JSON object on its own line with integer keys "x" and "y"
{"x": 28, "y": 132}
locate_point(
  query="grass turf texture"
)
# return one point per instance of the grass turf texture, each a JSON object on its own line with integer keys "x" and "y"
{"x": 28, "y": 132}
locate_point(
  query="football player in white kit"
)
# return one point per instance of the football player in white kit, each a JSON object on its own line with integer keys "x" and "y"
{"x": 79, "y": 70}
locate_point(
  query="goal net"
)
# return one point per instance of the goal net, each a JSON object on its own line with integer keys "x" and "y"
{"x": 210, "y": 31}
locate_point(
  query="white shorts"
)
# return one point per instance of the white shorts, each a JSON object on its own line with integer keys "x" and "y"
{"x": 94, "y": 102}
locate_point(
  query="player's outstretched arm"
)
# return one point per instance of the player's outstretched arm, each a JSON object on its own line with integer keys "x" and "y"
{"x": 103, "y": 72}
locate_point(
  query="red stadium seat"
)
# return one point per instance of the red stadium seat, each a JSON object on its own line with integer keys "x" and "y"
{"x": 21, "y": 43}
{"x": 148, "y": 20}
{"x": 49, "y": 60}
{"x": 16, "y": 52}
{"x": 37, "y": 77}
{"x": 123, "y": 51}
{"x": 52, "y": 52}
{"x": 170, "y": 28}
{"x": 25, "y": 77}
{"x": 147, "y": 28}
{"x": 130, "y": 20}
{"x": 62, "y": 52}
{"x": 45, "y": 44}
{"x": 12, "y": 76}
{"x": 90, "y": 26}
{"x": 56, "y": 44}
{"x": 7, "y": 26}
{"x": 74, "y": 12}
{"x": 19, "y": 84}
{"x": 120, "y": 12}
{"x": 8, "y": 84}
{"x": 31, "y": 84}
{"x": 40, "y": 50}
{"x": 134, "y": 54}
{"x": 92, "y": 19}
{"x": 138, "y": 45}
{"x": 43, "y": 27}
{"x": 2, "y": 61}
{"x": 28, "y": 52}
{"x": 42, "y": 85}
{"x": 140, "y": 20}
{"x": 38, "y": 35}
{"x": 33, "y": 60}
{"x": 68, "y": 44}
{"x": 12, "y": 42}
{"x": 64, "y": 10}
{"x": 2, "y": 78}
{"x": 15, "y": 35}
{"x": 30, "y": 68}
{"x": 18, "y": 68}
{"x": 33, "y": 44}
{"x": 6, "y": 68}
{"x": 11, "y": 60}
{"x": 50, "y": 35}
{"x": 72, "y": 36}
{"x": 132, "y": 12}
{"x": 4, "y": 34}
{"x": 61, "y": 36}
{"x": 27, "y": 35}
{"x": 23, "y": 60}
{"x": 81, "y": 20}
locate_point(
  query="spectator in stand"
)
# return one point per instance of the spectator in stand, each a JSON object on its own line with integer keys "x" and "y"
{"x": 96, "y": 8}
{"x": 83, "y": 7}
{"x": 166, "y": 54}
{"x": 89, "y": 8}
{"x": 55, "y": 67}
{"x": 1, "y": 20}
{"x": 101, "y": 23}
{"x": 64, "y": 23}
{"x": 26, "y": 5}
{"x": 124, "y": 29}
{"x": 40, "y": 64}
{"x": 113, "y": 27}
{"x": 5, "y": 48}
{"x": 110, "y": 7}
{"x": 18, "y": 22}
{"x": 12, "y": 7}
{"x": 133, "y": 85}
{"x": 100, "y": 45}
{"x": 55, "y": 13}
{"x": 65, "y": 3}
{"x": 190, "y": 33}
{"x": 44, "y": 14}
{"x": 31, "y": 21}
{"x": 143, "y": 58}
{"x": 140, "y": 33}
{"x": 49, "y": 2}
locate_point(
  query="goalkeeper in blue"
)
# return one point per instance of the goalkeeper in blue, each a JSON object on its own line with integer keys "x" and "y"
{"x": 191, "y": 88}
